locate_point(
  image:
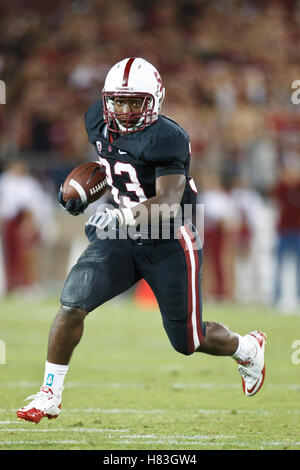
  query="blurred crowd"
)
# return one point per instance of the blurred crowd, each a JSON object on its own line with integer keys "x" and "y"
{"x": 228, "y": 68}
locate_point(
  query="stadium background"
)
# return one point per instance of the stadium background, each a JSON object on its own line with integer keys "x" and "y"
{"x": 228, "y": 68}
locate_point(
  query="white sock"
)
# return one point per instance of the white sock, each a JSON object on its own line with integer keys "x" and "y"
{"x": 54, "y": 376}
{"x": 246, "y": 349}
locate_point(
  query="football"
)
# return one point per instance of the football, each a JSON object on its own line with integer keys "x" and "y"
{"x": 87, "y": 181}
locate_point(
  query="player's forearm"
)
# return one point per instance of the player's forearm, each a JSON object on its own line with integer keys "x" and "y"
{"x": 153, "y": 211}
{"x": 157, "y": 208}
{"x": 164, "y": 206}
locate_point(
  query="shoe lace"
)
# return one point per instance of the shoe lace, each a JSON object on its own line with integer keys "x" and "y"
{"x": 244, "y": 372}
{"x": 42, "y": 395}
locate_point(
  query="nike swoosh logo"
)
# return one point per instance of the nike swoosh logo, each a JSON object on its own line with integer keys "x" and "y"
{"x": 261, "y": 380}
{"x": 122, "y": 153}
{"x": 251, "y": 389}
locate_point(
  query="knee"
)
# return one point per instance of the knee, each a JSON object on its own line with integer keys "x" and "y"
{"x": 182, "y": 349}
{"x": 81, "y": 288}
{"x": 177, "y": 335}
{"x": 73, "y": 314}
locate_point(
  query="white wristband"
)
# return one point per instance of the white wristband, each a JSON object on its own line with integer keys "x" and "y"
{"x": 125, "y": 216}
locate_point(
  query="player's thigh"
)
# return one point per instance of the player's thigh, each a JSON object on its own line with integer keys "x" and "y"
{"x": 104, "y": 270}
{"x": 176, "y": 282}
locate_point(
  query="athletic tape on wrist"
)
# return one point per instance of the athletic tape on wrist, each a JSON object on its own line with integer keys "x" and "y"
{"x": 125, "y": 216}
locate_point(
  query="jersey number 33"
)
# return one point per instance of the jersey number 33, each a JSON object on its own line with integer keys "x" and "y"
{"x": 133, "y": 186}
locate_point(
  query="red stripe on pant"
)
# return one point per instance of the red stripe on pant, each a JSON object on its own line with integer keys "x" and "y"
{"x": 193, "y": 284}
{"x": 191, "y": 345}
{"x": 197, "y": 282}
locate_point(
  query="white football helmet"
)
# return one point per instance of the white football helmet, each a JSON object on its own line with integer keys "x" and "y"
{"x": 132, "y": 77}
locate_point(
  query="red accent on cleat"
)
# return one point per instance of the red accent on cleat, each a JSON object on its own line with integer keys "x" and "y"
{"x": 260, "y": 339}
{"x": 249, "y": 392}
{"x": 253, "y": 371}
{"x": 44, "y": 404}
{"x": 33, "y": 415}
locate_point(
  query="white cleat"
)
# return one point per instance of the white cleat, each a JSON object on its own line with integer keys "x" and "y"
{"x": 253, "y": 370}
{"x": 44, "y": 404}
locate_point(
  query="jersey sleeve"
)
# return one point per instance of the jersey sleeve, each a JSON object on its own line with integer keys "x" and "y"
{"x": 93, "y": 119}
{"x": 172, "y": 168}
{"x": 169, "y": 153}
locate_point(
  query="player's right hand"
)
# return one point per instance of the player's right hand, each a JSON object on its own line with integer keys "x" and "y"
{"x": 103, "y": 221}
{"x": 73, "y": 206}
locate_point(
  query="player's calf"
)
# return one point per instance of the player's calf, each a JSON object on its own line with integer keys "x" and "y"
{"x": 218, "y": 340}
{"x": 65, "y": 333}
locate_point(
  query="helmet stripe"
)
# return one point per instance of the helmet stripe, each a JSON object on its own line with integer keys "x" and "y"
{"x": 126, "y": 71}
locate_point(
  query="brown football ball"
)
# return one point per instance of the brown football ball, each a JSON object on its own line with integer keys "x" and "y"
{"x": 86, "y": 182}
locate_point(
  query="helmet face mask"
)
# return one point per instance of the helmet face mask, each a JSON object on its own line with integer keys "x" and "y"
{"x": 131, "y": 121}
{"x": 129, "y": 79}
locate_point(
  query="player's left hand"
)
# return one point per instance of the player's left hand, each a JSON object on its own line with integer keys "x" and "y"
{"x": 73, "y": 206}
{"x": 104, "y": 221}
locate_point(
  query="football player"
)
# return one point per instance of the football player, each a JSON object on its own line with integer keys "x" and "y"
{"x": 146, "y": 157}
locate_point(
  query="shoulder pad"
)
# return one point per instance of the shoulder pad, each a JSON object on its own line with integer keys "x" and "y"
{"x": 94, "y": 120}
{"x": 167, "y": 141}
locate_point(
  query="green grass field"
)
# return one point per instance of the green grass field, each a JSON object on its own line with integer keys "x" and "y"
{"x": 127, "y": 389}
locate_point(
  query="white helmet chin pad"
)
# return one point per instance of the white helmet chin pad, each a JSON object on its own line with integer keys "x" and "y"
{"x": 133, "y": 77}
